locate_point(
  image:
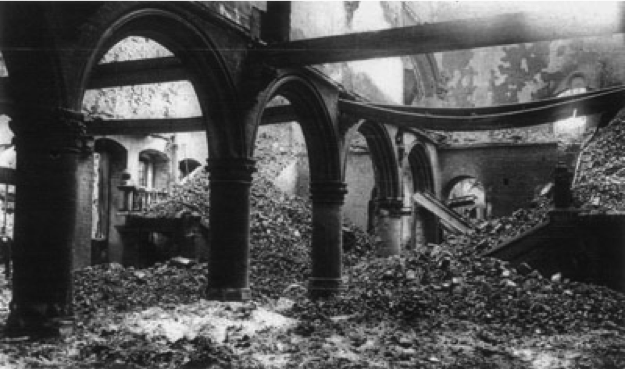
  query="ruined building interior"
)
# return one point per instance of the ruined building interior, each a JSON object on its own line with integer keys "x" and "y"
{"x": 418, "y": 125}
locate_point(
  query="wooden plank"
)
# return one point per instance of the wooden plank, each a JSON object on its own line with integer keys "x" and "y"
{"x": 604, "y": 102}
{"x": 271, "y": 115}
{"x": 505, "y": 29}
{"x": 137, "y": 72}
{"x": 450, "y": 218}
{"x": 278, "y": 114}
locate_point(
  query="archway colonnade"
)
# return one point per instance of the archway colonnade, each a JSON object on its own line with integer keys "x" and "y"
{"x": 50, "y": 70}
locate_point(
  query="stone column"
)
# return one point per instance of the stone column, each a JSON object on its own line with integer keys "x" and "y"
{"x": 388, "y": 227}
{"x": 50, "y": 144}
{"x": 228, "y": 270}
{"x": 327, "y": 242}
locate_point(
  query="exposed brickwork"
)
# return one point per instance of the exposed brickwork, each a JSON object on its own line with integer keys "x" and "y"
{"x": 510, "y": 173}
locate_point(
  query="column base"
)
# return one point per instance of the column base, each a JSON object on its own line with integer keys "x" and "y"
{"x": 37, "y": 326}
{"x": 228, "y": 294}
{"x": 323, "y": 287}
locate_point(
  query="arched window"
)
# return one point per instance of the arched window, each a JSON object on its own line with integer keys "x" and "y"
{"x": 186, "y": 166}
{"x": 468, "y": 198}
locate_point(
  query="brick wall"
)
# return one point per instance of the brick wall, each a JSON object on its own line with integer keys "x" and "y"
{"x": 510, "y": 173}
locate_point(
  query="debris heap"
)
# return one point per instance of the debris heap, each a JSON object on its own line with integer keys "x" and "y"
{"x": 600, "y": 180}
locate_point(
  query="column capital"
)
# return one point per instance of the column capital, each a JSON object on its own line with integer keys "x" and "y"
{"x": 59, "y": 129}
{"x": 237, "y": 170}
{"x": 390, "y": 204}
{"x": 329, "y": 192}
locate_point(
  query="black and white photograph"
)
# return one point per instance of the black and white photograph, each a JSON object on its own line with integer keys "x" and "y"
{"x": 312, "y": 184}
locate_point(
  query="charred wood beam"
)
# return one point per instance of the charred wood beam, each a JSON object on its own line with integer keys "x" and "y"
{"x": 137, "y": 72}
{"x": 278, "y": 114}
{"x": 145, "y": 126}
{"x": 272, "y": 115}
{"x": 505, "y": 29}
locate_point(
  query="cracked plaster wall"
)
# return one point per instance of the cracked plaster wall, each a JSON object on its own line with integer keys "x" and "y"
{"x": 523, "y": 72}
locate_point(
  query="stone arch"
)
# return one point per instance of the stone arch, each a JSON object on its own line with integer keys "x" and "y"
{"x": 423, "y": 225}
{"x": 320, "y": 129}
{"x": 174, "y": 27}
{"x": 386, "y": 191}
{"x": 453, "y": 182}
{"x": 383, "y": 158}
{"x": 421, "y": 169}
{"x": 480, "y": 209}
{"x": 318, "y": 124}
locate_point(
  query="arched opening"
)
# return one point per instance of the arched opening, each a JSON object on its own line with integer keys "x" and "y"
{"x": 326, "y": 186}
{"x": 204, "y": 87}
{"x": 162, "y": 98}
{"x": 419, "y": 177}
{"x": 187, "y": 166}
{"x": 361, "y": 176}
{"x": 466, "y": 196}
{"x": 373, "y": 182}
{"x": 154, "y": 170}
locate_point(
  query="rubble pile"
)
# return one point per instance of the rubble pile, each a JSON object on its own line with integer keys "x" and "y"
{"x": 600, "y": 178}
{"x": 192, "y": 197}
{"x": 490, "y": 233}
{"x": 437, "y": 287}
{"x": 115, "y": 288}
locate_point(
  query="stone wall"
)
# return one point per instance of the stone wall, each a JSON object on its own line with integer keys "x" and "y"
{"x": 510, "y": 173}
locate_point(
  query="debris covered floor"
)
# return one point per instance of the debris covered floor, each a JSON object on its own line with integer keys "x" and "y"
{"x": 155, "y": 318}
{"x": 440, "y": 308}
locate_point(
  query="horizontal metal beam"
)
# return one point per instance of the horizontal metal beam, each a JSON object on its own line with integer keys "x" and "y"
{"x": 271, "y": 115}
{"x": 137, "y": 72}
{"x": 607, "y": 102}
{"x": 502, "y": 29}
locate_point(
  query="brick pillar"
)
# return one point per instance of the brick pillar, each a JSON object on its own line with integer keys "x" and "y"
{"x": 388, "y": 227}
{"x": 228, "y": 270}
{"x": 327, "y": 241}
{"x": 50, "y": 146}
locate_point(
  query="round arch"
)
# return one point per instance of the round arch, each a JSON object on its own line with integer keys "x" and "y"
{"x": 453, "y": 182}
{"x": 320, "y": 134}
{"x": 465, "y": 185}
{"x": 423, "y": 226}
{"x": 172, "y": 26}
{"x": 111, "y": 146}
